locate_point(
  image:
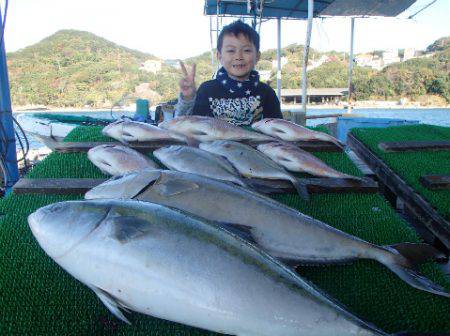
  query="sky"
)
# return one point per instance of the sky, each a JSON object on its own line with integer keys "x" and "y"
{"x": 172, "y": 29}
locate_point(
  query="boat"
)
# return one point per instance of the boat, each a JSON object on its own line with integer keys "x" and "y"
{"x": 51, "y": 129}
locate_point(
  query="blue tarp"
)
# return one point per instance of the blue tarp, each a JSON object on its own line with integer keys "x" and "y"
{"x": 298, "y": 9}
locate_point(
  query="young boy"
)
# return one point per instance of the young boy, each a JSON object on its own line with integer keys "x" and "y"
{"x": 236, "y": 94}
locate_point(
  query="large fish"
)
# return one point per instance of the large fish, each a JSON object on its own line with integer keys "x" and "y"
{"x": 289, "y": 131}
{"x": 161, "y": 262}
{"x": 251, "y": 163}
{"x": 208, "y": 129}
{"x": 118, "y": 160}
{"x": 280, "y": 230}
{"x": 194, "y": 160}
{"x": 297, "y": 160}
{"x": 127, "y": 131}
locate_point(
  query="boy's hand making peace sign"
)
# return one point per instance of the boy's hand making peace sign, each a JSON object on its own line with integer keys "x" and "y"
{"x": 187, "y": 82}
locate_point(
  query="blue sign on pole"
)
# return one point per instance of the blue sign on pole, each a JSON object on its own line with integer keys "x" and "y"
{"x": 8, "y": 157}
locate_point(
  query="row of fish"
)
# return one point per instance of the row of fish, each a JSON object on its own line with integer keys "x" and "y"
{"x": 237, "y": 158}
{"x": 206, "y": 129}
{"x": 204, "y": 252}
{"x": 185, "y": 249}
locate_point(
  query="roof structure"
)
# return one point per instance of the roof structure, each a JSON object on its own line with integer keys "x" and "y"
{"x": 298, "y": 9}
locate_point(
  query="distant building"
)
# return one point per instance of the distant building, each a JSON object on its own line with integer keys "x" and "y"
{"x": 314, "y": 95}
{"x": 151, "y": 66}
{"x": 390, "y": 56}
{"x": 369, "y": 60}
{"x": 173, "y": 63}
{"x": 364, "y": 60}
{"x": 283, "y": 61}
{"x": 315, "y": 64}
{"x": 408, "y": 54}
{"x": 264, "y": 75}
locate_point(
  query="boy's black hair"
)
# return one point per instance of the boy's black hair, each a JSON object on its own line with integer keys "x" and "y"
{"x": 235, "y": 28}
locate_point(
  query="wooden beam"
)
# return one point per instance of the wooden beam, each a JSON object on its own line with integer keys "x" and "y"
{"x": 435, "y": 182}
{"x": 61, "y": 186}
{"x": 68, "y": 186}
{"x": 82, "y": 147}
{"x": 405, "y": 146}
{"x": 421, "y": 209}
{"x": 318, "y": 185}
{"x": 74, "y": 147}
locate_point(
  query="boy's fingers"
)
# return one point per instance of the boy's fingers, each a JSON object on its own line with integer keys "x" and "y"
{"x": 194, "y": 66}
{"x": 183, "y": 68}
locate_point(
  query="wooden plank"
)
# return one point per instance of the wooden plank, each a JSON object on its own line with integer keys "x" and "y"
{"x": 315, "y": 185}
{"x": 434, "y": 182}
{"x": 61, "y": 186}
{"x": 419, "y": 206}
{"x": 74, "y": 147}
{"x": 409, "y": 146}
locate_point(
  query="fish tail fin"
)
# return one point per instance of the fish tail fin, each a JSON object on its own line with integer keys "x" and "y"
{"x": 403, "y": 259}
{"x": 191, "y": 142}
{"x": 302, "y": 189}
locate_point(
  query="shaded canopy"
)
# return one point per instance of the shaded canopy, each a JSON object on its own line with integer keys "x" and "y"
{"x": 298, "y": 9}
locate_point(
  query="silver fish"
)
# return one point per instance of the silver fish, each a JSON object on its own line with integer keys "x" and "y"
{"x": 161, "y": 262}
{"x": 208, "y": 129}
{"x": 297, "y": 160}
{"x": 283, "y": 232}
{"x": 289, "y": 131}
{"x": 117, "y": 160}
{"x": 251, "y": 163}
{"x": 194, "y": 160}
{"x": 127, "y": 131}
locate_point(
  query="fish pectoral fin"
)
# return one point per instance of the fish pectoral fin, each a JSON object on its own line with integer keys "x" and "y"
{"x": 111, "y": 303}
{"x": 127, "y": 228}
{"x": 174, "y": 187}
{"x": 128, "y": 137}
{"x": 243, "y": 231}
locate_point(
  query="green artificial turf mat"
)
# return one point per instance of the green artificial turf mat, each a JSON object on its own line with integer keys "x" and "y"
{"x": 410, "y": 166}
{"x": 38, "y": 297}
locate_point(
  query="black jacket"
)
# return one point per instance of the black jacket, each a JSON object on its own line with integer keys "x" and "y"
{"x": 213, "y": 100}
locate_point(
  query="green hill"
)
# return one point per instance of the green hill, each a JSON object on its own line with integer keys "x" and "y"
{"x": 75, "y": 68}
{"x": 79, "y": 69}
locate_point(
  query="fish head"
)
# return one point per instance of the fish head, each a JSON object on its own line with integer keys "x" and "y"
{"x": 60, "y": 227}
{"x": 162, "y": 153}
{"x": 170, "y": 124}
{"x": 261, "y": 124}
{"x": 124, "y": 186}
{"x": 114, "y": 130}
{"x": 104, "y": 157}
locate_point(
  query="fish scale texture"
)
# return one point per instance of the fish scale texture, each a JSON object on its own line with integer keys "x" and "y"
{"x": 38, "y": 297}
{"x": 419, "y": 163}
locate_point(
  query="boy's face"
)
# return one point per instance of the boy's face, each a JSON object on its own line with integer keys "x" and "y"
{"x": 238, "y": 56}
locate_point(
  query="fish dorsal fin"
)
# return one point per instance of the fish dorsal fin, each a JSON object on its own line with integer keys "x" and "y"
{"x": 127, "y": 228}
{"x": 169, "y": 187}
{"x": 243, "y": 231}
{"x": 111, "y": 303}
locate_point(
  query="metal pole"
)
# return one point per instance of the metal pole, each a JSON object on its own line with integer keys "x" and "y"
{"x": 279, "y": 58}
{"x": 350, "y": 66}
{"x": 306, "y": 55}
{"x": 7, "y": 127}
{"x": 211, "y": 41}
